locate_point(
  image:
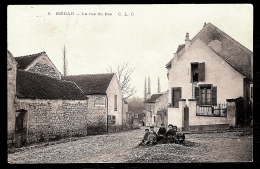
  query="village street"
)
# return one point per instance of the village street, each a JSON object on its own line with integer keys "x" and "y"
{"x": 122, "y": 147}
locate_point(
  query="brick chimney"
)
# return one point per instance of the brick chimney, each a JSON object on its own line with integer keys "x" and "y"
{"x": 187, "y": 41}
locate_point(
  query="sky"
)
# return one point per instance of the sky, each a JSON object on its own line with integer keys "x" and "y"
{"x": 144, "y": 36}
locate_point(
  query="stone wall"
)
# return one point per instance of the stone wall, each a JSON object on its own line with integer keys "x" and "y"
{"x": 97, "y": 117}
{"x": 50, "y": 119}
{"x": 11, "y": 91}
{"x": 44, "y": 69}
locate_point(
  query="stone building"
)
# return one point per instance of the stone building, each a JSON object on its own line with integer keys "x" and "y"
{"x": 205, "y": 76}
{"x": 38, "y": 63}
{"x": 156, "y": 109}
{"x": 42, "y": 107}
{"x": 105, "y": 96}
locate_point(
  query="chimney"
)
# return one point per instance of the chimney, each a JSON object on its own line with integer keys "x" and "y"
{"x": 204, "y": 24}
{"x": 187, "y": 41}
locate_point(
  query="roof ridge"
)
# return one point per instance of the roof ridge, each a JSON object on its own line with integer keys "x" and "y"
{"x": 31, "y": 54}
{"x": 90, "y": 74}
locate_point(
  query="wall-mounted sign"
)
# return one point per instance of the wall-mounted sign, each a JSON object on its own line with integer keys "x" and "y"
{"x": 100, "y": 101}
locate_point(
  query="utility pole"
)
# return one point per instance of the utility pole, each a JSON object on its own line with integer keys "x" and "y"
{"x": 64, "y": 62}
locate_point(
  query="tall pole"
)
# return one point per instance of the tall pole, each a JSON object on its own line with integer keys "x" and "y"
{"x": 159, "y": 87}
{"x": 64, "y": 62}
{"x": 149, "y": 85}
{"x": 145, "y": 91}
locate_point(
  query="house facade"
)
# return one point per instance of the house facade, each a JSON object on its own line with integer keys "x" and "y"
{"x": 42, "y": 107}
{"x": 205, "y": 77}
{"x": 105, "y": 96}
{"x": 156, "y": 109}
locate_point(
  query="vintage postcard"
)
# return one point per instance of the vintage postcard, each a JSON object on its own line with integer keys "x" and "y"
{"x": 130, "y": 83}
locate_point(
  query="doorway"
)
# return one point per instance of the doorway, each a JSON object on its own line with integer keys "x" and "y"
{"x": 20, "y": 128}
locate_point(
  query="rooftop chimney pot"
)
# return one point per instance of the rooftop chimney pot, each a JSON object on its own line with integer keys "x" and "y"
{"x": 187, "y": 36}
{"x": 204, "y": 25}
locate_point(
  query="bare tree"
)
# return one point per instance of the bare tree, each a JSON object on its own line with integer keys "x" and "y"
{"x": 124, "y": 77}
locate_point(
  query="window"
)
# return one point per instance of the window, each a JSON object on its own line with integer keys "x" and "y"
{"x": 111, "y": 119}
{"x": 206, "y": 95}
{"x": 115, "y": 102}
{"x": 197, "y": 72}
{"x": 176, "y": 95}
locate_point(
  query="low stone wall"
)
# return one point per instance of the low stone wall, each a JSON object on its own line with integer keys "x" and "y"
{"x": 97, "y": 117}
{"x": 54, "y": 119}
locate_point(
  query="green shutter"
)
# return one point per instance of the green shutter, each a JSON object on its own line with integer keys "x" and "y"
{"x": 197, "y": 94}
{"x": 214, "y": 95}
{"x": 201, "y": 71}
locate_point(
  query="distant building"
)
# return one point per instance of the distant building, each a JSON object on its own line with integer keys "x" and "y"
{"x": 206, "y": 75}
{"x": 156, "y": 109}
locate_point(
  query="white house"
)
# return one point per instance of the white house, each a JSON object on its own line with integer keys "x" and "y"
{"x": 204, "y": 72}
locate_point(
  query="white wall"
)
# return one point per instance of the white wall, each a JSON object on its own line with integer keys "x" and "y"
{"x": 202, "y": 120}
{"x": 217, "y": 72}
{"x": 112, "y": 90}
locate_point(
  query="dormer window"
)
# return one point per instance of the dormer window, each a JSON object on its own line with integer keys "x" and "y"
{"x": 197, "y": 72}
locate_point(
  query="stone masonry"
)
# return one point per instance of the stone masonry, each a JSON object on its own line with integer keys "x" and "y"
{"x": 97, "y": 117}
{"x": 48, "y": 119}
{"x": 44, "y": 69}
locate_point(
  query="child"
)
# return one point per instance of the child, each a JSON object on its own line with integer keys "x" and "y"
{"x": 151, "y": 137}
{"x": 170, "y": 134}
{"x": 161, "y": 132}
{"x": 145, "y": 136}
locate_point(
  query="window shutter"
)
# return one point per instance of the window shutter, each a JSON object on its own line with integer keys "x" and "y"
{"x": 201, "y": 71}
{"x": 197, "y": 96}
{"x": 214, "y": 95}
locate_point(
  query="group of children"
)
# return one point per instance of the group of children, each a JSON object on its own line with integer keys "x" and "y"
{"x": 151, "y": 137}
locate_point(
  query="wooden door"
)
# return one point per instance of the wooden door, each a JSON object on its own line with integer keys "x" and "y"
{"x": 176, "y": 95}
{"x": 186, "y": 118}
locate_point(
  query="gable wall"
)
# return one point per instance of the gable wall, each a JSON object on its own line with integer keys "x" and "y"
{"x": 217, "y": 72}
{"x": 44, "y": 66}
{"x": 112, "y": 90}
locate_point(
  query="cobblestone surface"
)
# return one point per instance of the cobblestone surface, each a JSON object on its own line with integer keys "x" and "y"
{"x": 122, "y": 147}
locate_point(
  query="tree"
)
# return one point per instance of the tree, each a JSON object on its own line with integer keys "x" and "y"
{"x": 124, "y": 77}
{"x": 135, "y": 105}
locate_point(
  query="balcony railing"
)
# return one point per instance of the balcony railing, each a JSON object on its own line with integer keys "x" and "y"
{"x": 213, "y": 111}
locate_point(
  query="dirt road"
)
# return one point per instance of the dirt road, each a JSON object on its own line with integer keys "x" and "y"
{"x": 122, "y": 147}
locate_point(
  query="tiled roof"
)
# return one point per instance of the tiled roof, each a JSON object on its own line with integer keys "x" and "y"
{"x": 153, "y": 98}
{"x": 34, "y": 85}
{"x": 24, "y": 61}
{"x": 234, "y": 53}
{"x": 91, "y": 84}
